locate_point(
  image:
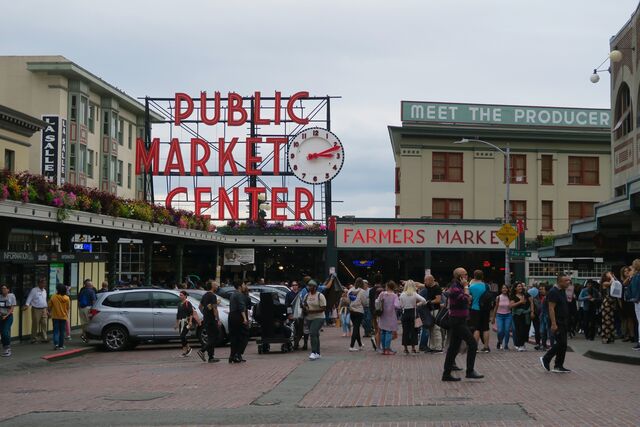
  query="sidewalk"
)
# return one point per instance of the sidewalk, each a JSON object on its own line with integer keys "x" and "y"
{"x": 26, "y": 355}
{"x": 618, "y": 352}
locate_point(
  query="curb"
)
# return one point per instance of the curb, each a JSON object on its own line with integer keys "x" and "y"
{"x": 68, "y": 354}
{"x": 616, "y": 358}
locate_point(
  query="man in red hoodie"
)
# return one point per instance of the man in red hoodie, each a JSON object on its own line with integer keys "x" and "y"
{"x": 459, "y": 299}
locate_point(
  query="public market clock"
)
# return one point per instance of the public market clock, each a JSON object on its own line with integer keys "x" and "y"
{"x": 315, "y": 155}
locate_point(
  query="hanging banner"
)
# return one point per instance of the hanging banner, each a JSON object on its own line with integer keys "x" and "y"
{"x": 63, "y": 151}
{"x": 50, "y": 148}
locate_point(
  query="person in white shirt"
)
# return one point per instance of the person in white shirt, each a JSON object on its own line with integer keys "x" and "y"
{"x": 409, "y": 302}
{"x": 37, "y": 300}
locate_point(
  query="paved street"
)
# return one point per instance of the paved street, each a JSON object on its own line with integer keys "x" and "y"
{"x": 154, "y": 386}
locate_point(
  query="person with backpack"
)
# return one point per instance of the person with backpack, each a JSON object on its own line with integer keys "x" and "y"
{"x": 483, "y": 301}
{"x": 357, "y": 299}
{"x": 388, "y": 302}
{"x": 211, "y": 321}
{"x": 314, "y": 305}
{"x": 86, "y": 298}
{"x": 184, "y": 318}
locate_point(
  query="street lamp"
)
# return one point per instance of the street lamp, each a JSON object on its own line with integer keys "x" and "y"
{"x": 507, "y": 210}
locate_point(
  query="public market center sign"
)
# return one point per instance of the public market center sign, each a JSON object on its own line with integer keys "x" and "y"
{"x": 431, "y": 112}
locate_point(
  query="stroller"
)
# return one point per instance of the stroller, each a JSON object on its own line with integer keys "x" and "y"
{"x": 275, "y": 327}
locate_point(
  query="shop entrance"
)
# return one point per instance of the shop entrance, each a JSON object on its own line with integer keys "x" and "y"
{"x": 411, "y": 264}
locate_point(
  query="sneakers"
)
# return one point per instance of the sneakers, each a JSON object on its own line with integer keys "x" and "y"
{"x": 201, "y": 355}
{"x": 436, "y": 351}
{"x": 484, "y": 350}
{"x": 314, "y": 356}
{"x": 84, "y": 339}
{"x": 354, "y": 349}
{"x": 523, "y": 348}
{"x": 187, "y": 353}
{"x": 544, "y": 364}
{"x": 214, "y": 360}
{"x": 561, "y": 370}
{"x": 636, "y": 347}
{"x": 6, "y": 352}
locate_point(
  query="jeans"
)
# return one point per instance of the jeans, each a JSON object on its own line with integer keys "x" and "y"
{"x": 5, "y": 328}
{"x": 503, "y": 322}
{"x": 637, "y": 308}
{"x": 345, "y": 319}
{"x": 424, "y": 337}
{"x": 356, "y": 319}
{"x": 366, "y": 322}
{"x": 59, "y": 329}
{"x": 559, "y": 348}
{"x": 458, "y": 332}
{"x": 314, "y": 330}
{"x": 545, "y": 331}
{"x": 385, "y": 339}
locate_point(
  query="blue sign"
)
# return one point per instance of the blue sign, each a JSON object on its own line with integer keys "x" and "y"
{"x": 83, "y": 247}
{"x": 363, "y": 262}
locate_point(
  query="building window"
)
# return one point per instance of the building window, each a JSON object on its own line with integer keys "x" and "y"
{"x": 446, "y": 208}
{"x": 84, "y": 110}
{"x": 518, "y": 169}
{"x": 547, "y": 215}
{"x": 113, "y": 168}
{"x": 72, "y": 156}
{"x": 579, "y": 210}
{"x": 74, "y": 108}
{"x": 518, "y": 211}
{"x": 128, "y": 175}
{"x": 105, "y": 123}
{"x": 10, "y": 160}
{"x": 130, "y": 137}
{"x": 92, "y": 118}
{"x": 584, "y": 171}
{"x": 547, "y": 170}
{"x": 121, "y": 132}
{"x": 114, "y": 125}
{"x": 446, "y": 167}
{"x": 90, "y": 161}
{"x": 82, "y": 159}
{"x": 397, "y": 180}
{"x": 119, "y": 175}
{"x": 620, "y": 190}
{"x": 623, "y": 113}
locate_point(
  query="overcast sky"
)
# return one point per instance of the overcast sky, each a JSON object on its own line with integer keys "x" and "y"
{"x": 372, "y": 53}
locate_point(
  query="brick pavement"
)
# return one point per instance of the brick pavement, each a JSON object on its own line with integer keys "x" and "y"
{"x": 157, "y": 379}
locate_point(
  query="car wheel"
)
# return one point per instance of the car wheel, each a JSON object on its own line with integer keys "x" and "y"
{"x": 115, "y": 338}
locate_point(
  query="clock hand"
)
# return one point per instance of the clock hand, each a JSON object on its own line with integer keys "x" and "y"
{"x": 325, "y": 153}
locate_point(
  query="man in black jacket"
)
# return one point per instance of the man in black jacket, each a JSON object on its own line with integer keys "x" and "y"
{"x": 211, "y": 321}
{"x": 238, "y": 322}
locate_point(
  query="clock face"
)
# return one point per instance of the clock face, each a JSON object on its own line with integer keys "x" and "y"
{"x": 315, "y": 155}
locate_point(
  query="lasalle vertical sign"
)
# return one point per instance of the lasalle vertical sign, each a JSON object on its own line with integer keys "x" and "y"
{"x": 50, "y": 148}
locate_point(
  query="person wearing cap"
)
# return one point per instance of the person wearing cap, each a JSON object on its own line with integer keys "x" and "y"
{"x": 314, "y": 305}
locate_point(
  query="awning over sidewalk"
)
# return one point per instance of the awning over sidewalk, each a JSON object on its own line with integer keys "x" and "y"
{"x": 613, "y": 233}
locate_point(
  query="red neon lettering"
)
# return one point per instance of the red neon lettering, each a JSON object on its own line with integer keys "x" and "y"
{"x": 277, "y": 107}
{"x": 480, "y": 237}
{"x": 277, "y": 142}
{"x": 299, "y": 209}
{"x": 226, "y": 156}
{"x": 396, "y": 236}
{"x": 224, "y": 202}
{"x": 253, "y": 195}
{"x": 468, "y": 236}
{"x": 251, "y": 160}
{"x": 456, "y": 236}
{"x": 173, "y": 193}
{"x": 181, "y": 115}
{"x": 371, "y": 235}
{"x": 199, "y": 203}
{"x": 256, "y": 111}
{"x": 276, "y": 204}
{"x": 358, "y": 236}
{"x": 385, "y": 236}
{"x": 408, "y": 236}
{"x": 292, "y": 115}
{"x": 148, "y": 159}
{"x": 203, "y": 109}
{"x": 199, "y": 163}
{"x": 345, "y": 234}
{"x": 420, "y": 234}
{"x": 443, "y": 235}
{"x": 174, "y": 158}
{"x": 235, "y": 106}
{"x": 494, "y": 238}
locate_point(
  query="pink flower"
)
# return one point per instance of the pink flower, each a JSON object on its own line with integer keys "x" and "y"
{"x": 4, "y": 194}
{"x": 25, "y": 196}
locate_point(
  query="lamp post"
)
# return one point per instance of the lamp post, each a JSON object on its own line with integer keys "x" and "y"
{"x": 507, "y": 209}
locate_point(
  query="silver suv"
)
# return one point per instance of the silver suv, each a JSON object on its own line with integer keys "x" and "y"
{"x": 123, "y": 318}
